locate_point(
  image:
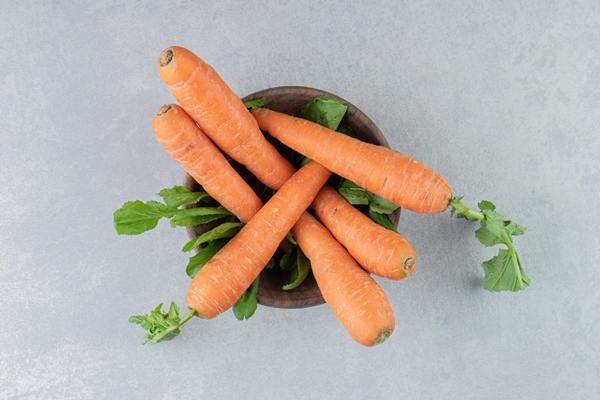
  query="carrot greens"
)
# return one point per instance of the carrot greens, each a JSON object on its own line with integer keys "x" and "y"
{"x": 326, "y": 111}
{"x": 503, "y": 271}
{"x": 247, "y": 304}
{"x": 378, "y": 208}
{"x": 382, "y": 219}
{"x": 295, "y": 261}
{"x": 136, "y": 217}
{"x": 161, "y": 326}
{"x": 260, "y": 102}
{"x": 225, "y": 230}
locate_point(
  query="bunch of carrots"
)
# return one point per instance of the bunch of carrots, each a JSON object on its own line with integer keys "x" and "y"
{"x": 344, "y": 246}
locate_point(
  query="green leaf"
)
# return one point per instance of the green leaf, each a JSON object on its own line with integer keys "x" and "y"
{"x": 380, "y": 205}
{"x": 270, "y": 264}
{"x": 137, "y": 319}
{"x": 326, "y": 111}
{"x": 300, "y": 271}
{"x": 486, "y": 205}
{"x": 136, "y": 217}
{"x": 353, "y": 193}
{"x": 225, "y": 230}
{"x": 493, "y": 221}
{"x": 193, "y": 220}
{"x": 198, "y": 260}
{"x": 504, "y": 272}
{"x": 346, "y": 130}
{"x": 290, "y": 237}
{"x": 487, "y": 237}
{"x": 357, "y": 195}
{"x": 381, "y": 219}
{"x": 173, "y": 312}
{"x": 246, "y": 305}
{"x": 179, "y": 195}
{"x": 513, "y": 228}
{"x": 257, "y": 103}
{"x": 197, "y": 216}
{"x": 491, "y": 227}
{"x": 303, "y": 161}
{"x": 288, "y": 260}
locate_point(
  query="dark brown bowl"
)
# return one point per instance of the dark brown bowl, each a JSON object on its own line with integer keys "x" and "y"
{"x": 291, "y": 100}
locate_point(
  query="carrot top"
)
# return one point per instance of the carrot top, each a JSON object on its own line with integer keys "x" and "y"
{"x": 136, "y": 217}
{"x": 504, "y": 271}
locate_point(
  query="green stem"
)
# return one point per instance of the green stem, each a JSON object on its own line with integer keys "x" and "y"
{"x": 513, "y": 256}
{"x": 471, "y": 214}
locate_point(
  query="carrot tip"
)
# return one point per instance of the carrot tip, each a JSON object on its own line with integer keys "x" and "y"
{"x": 163, "y": 110}
{"x": 409, "y": 264}
{"x": 382, "y": 337}
{"x": 165, "y": 58}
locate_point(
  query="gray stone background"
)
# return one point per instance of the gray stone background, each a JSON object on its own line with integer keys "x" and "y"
{"x": 502, "y": 98}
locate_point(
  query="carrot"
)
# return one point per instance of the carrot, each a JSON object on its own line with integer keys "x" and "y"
{"x": 354, "y": 297}
{"x": 221, "y": 114}
{"x": 225, "y": 277}
{"x": 384, "y": 252}
{"x": 204, "y": 95}
{"x": 188, "y": 145}
{"x": 393, "y": 176}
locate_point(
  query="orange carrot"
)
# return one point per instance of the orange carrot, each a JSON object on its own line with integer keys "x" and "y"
{"x": 221, "y": 114}
{"x": 225, "y": 277}
{"x": 355, "y": 298}
{"x": 204, "y": 95}
{"x": 380, "y": 250}
{"x": 393, "y": 176}
{"x": 185, "y": 142}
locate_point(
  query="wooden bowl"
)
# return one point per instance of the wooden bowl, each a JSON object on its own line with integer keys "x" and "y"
{"x": 291, "y": 100}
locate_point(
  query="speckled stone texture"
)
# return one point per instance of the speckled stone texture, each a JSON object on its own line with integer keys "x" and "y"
{"x": 501, "y": 98}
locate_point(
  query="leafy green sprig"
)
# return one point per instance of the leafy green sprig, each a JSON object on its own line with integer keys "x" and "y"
{"x": 504, "y": 271}
{"x": 326, "y": 111}
{"x": 161, "y": 326}
{"x": 378, "y": 208}
{"x": 296, "y": 262}
{"x": 136, "y": 217}
{"x": 247, "y": 304}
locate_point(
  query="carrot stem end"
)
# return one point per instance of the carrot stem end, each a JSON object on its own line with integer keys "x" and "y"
{"x": 165, "y": 58}
{"x": 163, "y": 110}
{"x": 383, "y": 336}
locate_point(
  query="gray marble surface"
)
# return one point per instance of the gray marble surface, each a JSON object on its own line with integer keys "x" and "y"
{"x": 502, "y": 98}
